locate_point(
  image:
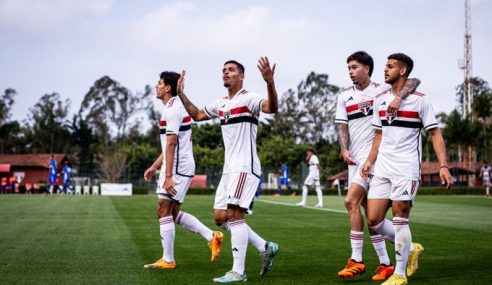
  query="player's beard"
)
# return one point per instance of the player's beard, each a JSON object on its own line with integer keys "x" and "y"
{"x": 227, "y": 85}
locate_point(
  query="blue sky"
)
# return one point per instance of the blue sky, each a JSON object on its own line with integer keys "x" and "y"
{"x": 64, "y": 46}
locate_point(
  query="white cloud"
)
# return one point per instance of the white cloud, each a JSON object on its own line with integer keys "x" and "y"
{"x": 47, "y": 15}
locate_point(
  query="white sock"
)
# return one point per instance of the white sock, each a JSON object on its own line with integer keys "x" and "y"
{"x": 304, "y": 194}
{"x": 403, "y": 240}
{"x": 357, "y": 242}
{"x": 167, "y": 238}
{"x": 239, "y": 241}
{"x": 192, "y": 224}
{"x": 386, "y": 229}
{"x": 254, "y": 239}
{"x": 380, "y": 247}
{"x": 320, "y": 195}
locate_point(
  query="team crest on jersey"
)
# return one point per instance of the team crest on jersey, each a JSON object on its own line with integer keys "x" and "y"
{"x": 364, "y": 107}
{"x": 226, "y": 115}
{"x": 390, "y": 117}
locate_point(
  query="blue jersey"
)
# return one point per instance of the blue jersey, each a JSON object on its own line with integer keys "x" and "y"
{"x": 285, "y": 172}
{"x": 52, "y": 171}
{"x": 67, "y": 174}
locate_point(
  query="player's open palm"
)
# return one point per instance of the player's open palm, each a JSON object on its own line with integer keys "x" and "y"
{"x": 180, "y": 87}
{"x": 265, "y": 69}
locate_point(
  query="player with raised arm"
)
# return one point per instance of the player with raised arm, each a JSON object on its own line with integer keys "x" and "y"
{"x": 177, "y": 170}
{"x": 397, "y": 147}
{"x": 355, "y": 135}
{"x": 239, "y": 113}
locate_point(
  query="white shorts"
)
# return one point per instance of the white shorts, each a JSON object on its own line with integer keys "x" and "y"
{"x": 181, "y": 184}
{"x": 236, "y": 189}
{"x": 486, "y": 182}
{"x": 393, "y": 189}
{"x": 310, "y": 181}
{"x": 355, "y": 177}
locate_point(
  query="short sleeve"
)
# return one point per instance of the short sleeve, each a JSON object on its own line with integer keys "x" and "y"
{"x": 212, "y": 109}
{"x": 173, "y": 121}
{"x": 254, "y": 103}
{"x": 341, "y": 113}
{"x": 376, "y": 119}
{"x": 427, "y": 115}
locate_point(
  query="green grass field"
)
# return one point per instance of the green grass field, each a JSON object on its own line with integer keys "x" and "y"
{"x": 106, "y": 240}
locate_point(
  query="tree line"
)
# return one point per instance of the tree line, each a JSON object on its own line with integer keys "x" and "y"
{"x": 107, "y": 137}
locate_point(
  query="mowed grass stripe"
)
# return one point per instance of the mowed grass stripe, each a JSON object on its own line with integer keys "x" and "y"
{"x": 65, "y": 240}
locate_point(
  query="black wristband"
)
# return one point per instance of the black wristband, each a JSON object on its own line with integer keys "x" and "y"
{"x": 444, "y": 166}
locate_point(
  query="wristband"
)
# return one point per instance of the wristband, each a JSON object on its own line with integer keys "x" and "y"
{"x": 444, "y": 166}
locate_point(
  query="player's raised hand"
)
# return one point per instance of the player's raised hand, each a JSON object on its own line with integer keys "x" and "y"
{"x": 347, "y": 157}
{"x": 446, "y": 177}
{"x": 180, "y": 87}
{"x": 365, "y": 170}
{"x": 266, "y": 71}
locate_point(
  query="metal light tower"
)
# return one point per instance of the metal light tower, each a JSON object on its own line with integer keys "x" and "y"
{"x": 466, "y": 65}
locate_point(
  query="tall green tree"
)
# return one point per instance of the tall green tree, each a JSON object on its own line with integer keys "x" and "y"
{"x": 46, "y": 126}
{"x": 307, "y": 114}
{"x": 10, "y": 131}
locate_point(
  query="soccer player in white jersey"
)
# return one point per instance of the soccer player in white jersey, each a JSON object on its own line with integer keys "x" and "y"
{"x": 312, "y": 179}
{"x": 355, "y": 135}
{"x": 485, "y": 173}
{"x": 239, "y": 112}
{"x": 397, "y": 147}
{"x": 177, "y": 170}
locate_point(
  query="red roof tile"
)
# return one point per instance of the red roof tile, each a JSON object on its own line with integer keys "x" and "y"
{"x": 37, "y": 160}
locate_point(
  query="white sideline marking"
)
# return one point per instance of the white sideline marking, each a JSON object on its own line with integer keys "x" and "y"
{"x": 308, "y": 207}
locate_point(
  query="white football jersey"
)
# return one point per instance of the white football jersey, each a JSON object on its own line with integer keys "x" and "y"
{"x": 176, "y": 121}
{"x": 313, "y": 166}
{"x": 239, "y": 120}
{"x": 400, "y": 151}
{"x": 486, "y": 172}
{"x": 354, "y": 107}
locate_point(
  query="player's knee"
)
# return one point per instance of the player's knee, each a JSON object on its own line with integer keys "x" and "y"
{"x": 351, "y": 204}
{"x": 219, "y": 221}
{"x": 373, "y": 221}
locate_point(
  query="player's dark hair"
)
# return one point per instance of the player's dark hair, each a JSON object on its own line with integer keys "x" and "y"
{"x": 364, "y": 58}
{"x": 239, "y": 66}
{"x": 405, "y": 60}
{"x": 171, "y": 78}
{"x": 312, "y": 150}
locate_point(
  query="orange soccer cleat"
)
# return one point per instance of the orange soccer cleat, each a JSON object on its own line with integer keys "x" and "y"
{"x": 215, "y": 245}
{"x": 352, "y": 269}
{"x": 160, "y": 264}
{"x": 383, "y": 272}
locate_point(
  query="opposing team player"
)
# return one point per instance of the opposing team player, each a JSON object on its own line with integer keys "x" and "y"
{"x": 239, "y": 113}
{"x": 397, "y": 147}
{"x": 355, "y": 135}
{"x": 313, "y": 178}
{"x": 177, "y": 170}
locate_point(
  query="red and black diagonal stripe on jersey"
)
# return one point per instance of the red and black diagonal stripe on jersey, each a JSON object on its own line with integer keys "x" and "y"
{"x": 359, "y": 110}
{"x": 405, "y": 119}
{"x": 237, "y": 115}
{"x": 183, "y": 128}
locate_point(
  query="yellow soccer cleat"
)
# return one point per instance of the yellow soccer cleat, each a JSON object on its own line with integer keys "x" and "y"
{"x": 413, "y": 259}
{"x": 396, "y": 280}
{"x": 215, "y": 245}
{"x": 383, "y": 272}
{"x": 160, "y": 264}
{"x": 352, "y": 269}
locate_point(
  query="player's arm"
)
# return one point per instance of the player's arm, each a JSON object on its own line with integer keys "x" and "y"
{"x": 269, "y": 106}
{"x": 440, "y": 149}
{"x": 343, "y": 140}
{"x": 171, "y": 142}
{"x": 410, "y": 86}
{"x": 149, "y": 173}
{"x": 193, "y": 111}
{"x": 367, "y": 166}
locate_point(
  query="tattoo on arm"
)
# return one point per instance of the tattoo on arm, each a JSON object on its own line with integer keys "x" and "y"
{"x": 343, "y": 136}
{"x": 410, "y": 86}
{"x": 190, "y": 107}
